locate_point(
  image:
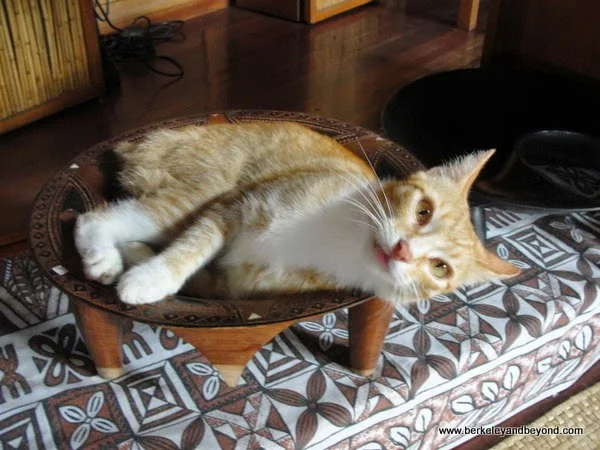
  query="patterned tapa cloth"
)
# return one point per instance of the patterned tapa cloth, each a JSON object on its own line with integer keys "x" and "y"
{"x": 473, "y": 358}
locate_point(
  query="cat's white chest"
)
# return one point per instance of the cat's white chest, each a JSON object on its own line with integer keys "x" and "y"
{"x": 329, "y": 241}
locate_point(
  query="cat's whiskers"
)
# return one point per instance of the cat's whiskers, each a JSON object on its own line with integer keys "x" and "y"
{"x": 374, "y": 201}
{"x": 368, "y": 183}
{"x": 376, "y": 176}
{"x": 377, "y": 207}
{"x": 413, "y": 288}
{"x": 373, "y": 194}
{"x": 407, "y": 290}
{"x": 365, "y": 210}
{"x": 417, "y": 299}
{"x": 361, "y": 222}
{"x": 377, "y": 202}
{"x": 372, "y": 211}
{"x": 409, "y": 282}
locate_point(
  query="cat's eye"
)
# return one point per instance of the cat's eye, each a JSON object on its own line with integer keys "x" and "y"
{"x": 439, "y": 268}
{"x": 424, "y": 212}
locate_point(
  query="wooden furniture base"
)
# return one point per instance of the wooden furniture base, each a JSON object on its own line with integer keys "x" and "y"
{"x": 103, "y": 335}
{"x": 368, "y": 324}
{"x": 544, "y": 35}
{"x": 229, "y": 349}
{"x": 314, "y": 11}
{"x": 228, "y": 332}
{"x": 308, "y": 11}
{"x": 468, "y": 11}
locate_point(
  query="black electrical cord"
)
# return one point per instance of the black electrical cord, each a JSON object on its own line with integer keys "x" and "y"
{"x": 136, "y": 42}
{"x": 103, "y": 16}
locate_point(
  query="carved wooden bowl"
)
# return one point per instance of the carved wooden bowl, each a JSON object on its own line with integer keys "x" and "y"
{"x": 87, "y": 181}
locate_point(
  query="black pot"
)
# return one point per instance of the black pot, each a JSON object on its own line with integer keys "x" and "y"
{"x": 523, "y": 114}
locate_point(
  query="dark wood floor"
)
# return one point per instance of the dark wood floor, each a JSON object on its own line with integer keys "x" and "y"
{"x": 344, "y": 68}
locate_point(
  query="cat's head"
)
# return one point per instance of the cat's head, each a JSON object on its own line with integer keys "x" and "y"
{"x": 427, "y": 245}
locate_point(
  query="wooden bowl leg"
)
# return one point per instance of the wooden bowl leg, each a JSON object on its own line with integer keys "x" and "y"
{"x": 368, "y": 324}
{"x": 230, "y": 349}
{"x": 103, "y": 336}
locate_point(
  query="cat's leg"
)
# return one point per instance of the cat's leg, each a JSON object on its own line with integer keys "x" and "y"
{"x": 99, "y": 233}
{"x": 165, "y": 273}
{"x": 135, "y": 252}
{"x": 246, "y": 279}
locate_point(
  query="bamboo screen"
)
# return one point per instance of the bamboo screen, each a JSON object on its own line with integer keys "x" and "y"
{"x": 42, "y": 52}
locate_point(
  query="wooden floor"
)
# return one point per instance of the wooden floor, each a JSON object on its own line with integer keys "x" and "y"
{"x": 345, "y": 68}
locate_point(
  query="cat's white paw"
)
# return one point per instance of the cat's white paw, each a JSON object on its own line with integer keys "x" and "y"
{"x": 101, "y": 260}
{"x": 102, "y": 264}
{"x": 135, "y": 253}
{"x": 148, "y": 282}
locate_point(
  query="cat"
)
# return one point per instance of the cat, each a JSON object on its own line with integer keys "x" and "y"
{"x": 248, "y": 209}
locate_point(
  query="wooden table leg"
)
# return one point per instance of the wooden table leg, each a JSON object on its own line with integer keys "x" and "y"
{"x": 368, "y": 325}
{"x": 468, "y": 11}
{"x": 230, "y": 349}
{"x": 103, "y": 336}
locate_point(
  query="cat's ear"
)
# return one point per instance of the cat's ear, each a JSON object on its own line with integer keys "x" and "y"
{"x": 464, "y": 170}
{"x": 490, "y": 267}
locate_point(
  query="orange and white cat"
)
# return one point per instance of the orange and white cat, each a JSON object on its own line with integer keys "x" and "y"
{"x": 267, "y": 208}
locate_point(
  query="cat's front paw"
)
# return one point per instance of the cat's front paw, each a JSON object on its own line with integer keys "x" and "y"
{"x": 100, "y": 258}
{"x": 148, "y": 282}
{"x": 102, "y": 264}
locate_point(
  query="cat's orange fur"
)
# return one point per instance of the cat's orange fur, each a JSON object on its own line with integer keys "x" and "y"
{"x": 277, "y": 207}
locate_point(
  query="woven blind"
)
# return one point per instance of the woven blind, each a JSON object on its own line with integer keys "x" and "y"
{"x": 42, "y": 52}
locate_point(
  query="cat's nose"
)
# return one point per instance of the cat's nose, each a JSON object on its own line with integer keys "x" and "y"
{"x": 401, "y": 251}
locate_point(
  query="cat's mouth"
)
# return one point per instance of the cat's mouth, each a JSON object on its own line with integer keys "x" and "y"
{"x": 381, "y": 256}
